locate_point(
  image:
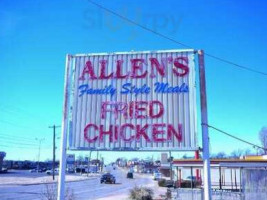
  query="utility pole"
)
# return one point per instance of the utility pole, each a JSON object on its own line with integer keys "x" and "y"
{"x": 102, "y": 163}
{"x": 88, "y": 163}
{"x": 97, "y": 164}
{"x": 171, "y": 159}
{"x": 39, "y": 153}
{"x": 54, "y": 147}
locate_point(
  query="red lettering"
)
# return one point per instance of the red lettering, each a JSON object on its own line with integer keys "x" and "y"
{"x": 128, "y": 132}
{"x": 123, "y": 134}
{"x": 156, "y": 132}
{"x": 171, "y": 131}
{"x": 119, "y": 69}
{"x": 159, "y": 68}
{"x": 179, "y": 64}
{"x": 137, "y": 65}
{"x": 103, "y": 64}
{"x": 88, "y": 69}
{"x": 131, "y": 109}
{"x": 138, "y": 108}
{"x": 102, "y": 133}
{"x": 116, "y": 133}
{"x": 86, "y": 133}
{"x": 104, "y": 109}
{"x": 141, "y": 131}
{"x": 115, "y": 107}
{"x": 151, "y": 112}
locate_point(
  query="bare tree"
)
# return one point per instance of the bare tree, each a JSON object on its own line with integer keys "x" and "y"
{"x": 80, "y": 159}
{"x": 220, "y": 155}
{"x": 247, "y": 152}
{"x": 237, "y": 153}
{"x": 50, "y": 193}
{"x": 263, "y": 138}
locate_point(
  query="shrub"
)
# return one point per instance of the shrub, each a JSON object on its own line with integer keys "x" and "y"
{"x": 50, "y": 193}
{"x": 162, "y": 182}
{"x": 187, "y": 184}
{"x": 141, "y": 193}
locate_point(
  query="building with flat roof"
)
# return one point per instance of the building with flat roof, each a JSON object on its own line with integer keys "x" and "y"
{"x": 2, "y": 155}
{"x": 225, "y": 173}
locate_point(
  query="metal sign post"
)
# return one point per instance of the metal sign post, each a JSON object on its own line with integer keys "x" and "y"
{"x": 204, "y": 123}
{"x": 63, "y": 145}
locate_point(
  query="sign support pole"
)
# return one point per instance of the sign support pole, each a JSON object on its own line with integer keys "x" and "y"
{"x": 204, "y": 124}
{"x": 63, "y": 144}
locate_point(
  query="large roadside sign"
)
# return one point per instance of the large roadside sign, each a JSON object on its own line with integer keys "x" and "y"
{"x": 131, "y": 101}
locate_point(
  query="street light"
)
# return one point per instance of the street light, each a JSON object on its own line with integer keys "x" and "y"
{"x": 40, "y": 141}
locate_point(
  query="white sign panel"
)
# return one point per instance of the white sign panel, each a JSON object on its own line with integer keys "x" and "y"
{"x": 132, "y": 101}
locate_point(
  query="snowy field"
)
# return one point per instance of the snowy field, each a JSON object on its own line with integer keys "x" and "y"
{"x": 24, "y": 177}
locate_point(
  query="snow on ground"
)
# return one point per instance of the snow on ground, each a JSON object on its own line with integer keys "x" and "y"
{"x": 24, "y": 177}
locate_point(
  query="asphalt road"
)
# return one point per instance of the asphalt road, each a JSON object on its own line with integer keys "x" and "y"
{"x": 87, "y": 189}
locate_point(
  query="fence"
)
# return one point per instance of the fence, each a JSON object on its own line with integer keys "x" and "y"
{"x": 188, "y": 194}
{"x": 197, "y": 194}
{"x": 254, "y": 183}
{"x": 254, "y": 186}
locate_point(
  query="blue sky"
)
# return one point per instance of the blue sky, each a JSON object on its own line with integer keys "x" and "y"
{"x": 35, "y": 36}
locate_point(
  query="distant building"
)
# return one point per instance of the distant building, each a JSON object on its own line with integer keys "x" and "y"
{"x": 225, "y": 173}
{"x": 2, "y": 155}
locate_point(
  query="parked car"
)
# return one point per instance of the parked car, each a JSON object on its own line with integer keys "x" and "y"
{"x": 130, "y": 175}
{"x": 108, "y": 178}
{"x": 50, "y": 171}
{"x": 169, "y": 183}
{"x": 165, "y": 183}
{"x": 79, "y": 170}
{"x": 191, "y": 181}
{"x": 70, "y": 170}
{"x": 35, "y": 170}
{"x": 191, "y": 178}
{"x": 157, "y": 176}
{"x": 4, "y": 170}
{"x": 44, "y": 170}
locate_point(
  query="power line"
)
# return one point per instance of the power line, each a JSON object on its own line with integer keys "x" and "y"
{"x": 16, "y": 109}
{"x": 13, "y": 124}
{"x": 30, "y": 148}
{"x": 16, "y": 136}
{"x": 232, "y": 136}
{"x": 175, "y": 41}
{"x": 18, "y": 143}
